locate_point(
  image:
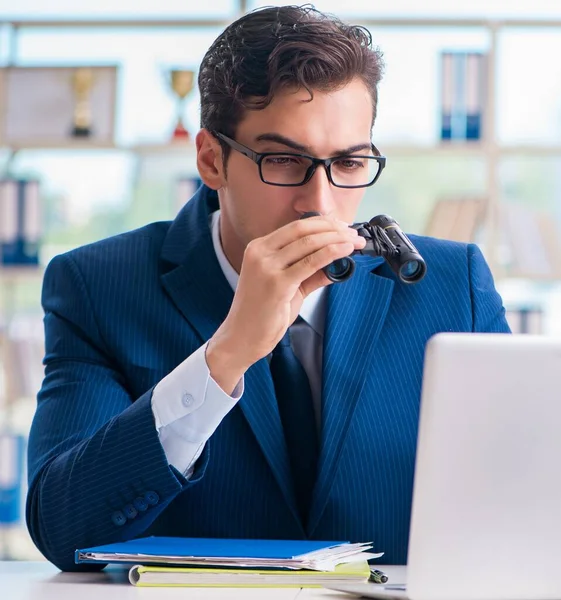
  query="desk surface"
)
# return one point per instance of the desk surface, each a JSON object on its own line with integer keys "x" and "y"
{"x": 41, "y": 581}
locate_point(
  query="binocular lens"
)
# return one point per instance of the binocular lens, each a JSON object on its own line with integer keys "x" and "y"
{"x": 340, "y": 270}
{"x": 411, "y": 271}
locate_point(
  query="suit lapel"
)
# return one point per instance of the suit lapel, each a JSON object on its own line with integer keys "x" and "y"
{"x": 197, "y": 286}
{"x": 356, "y": 311}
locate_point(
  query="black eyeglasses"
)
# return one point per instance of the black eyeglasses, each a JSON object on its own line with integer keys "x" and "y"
{"x": 290, "y": 170}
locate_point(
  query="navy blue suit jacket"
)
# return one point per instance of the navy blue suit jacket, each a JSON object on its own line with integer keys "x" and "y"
{"x": 122, "y": 313}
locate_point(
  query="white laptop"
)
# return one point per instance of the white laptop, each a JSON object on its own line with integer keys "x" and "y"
{"x": 486, "y": 515}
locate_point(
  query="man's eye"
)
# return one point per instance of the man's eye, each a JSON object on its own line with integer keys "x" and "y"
{"x": 349, "y": 164}
{"x": 281, "y": 160}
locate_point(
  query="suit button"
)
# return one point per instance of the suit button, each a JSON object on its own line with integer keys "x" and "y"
{"x": 187, "y": 400}
{"x": 140, "y": 504}
{"x": 118, "y": 518}
{"x": 130, "y": 511}
{"x": 152, "y": 498}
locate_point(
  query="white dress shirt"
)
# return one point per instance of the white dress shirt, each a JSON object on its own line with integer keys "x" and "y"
{"x": 188, "y": 405}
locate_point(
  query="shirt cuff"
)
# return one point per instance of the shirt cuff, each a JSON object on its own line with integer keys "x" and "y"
{"x": 190, "y": 399}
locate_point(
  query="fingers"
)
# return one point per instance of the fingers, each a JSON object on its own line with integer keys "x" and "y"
{"x": 300, "y": 229}
{"x": 309, "y": 244}
{"x": 312, "y": 263}
{"x": 300, "y": 249}
{"x": 317, "y": 280}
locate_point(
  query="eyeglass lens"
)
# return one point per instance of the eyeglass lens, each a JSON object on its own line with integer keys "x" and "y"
{"x": 286, "y": 169}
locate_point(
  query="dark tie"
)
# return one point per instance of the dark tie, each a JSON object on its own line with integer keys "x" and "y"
{"x": 294, "y": 399}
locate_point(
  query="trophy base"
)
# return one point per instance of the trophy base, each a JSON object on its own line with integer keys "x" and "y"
{"x": 180, "y": 134}
{"x": 81, "y": 132}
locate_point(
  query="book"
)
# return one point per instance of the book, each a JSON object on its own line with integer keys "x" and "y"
{"x": 20, "y": 221}
{"x": 463, "y": 90}
{"x": 247, "y": 553}
{"x": 475, "y": 96}
{"x": 447, "y": 92}
{"x": 12, "y": 456}
{"x": 151, "y": 576}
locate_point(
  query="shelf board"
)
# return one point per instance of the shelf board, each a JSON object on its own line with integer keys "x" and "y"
{"x": 164, "y": 148}
{"x": 475, "y": 148}
{"x": 145, "y": 148}
{"x": 19, "y": 273}
{"x": 469, "y": 149}
{"x": 150, "y": 23}
{"x": 78, "y": 144}
{"x": 223, "y": 21}
{"x": 537, "y": 149}
{"x": 453, "y": 148}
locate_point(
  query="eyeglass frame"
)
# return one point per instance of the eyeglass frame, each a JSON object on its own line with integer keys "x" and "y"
{"x": 257, "y": 158}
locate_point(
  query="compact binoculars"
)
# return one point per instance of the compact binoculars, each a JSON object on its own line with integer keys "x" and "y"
{"x": 384, "y": 238}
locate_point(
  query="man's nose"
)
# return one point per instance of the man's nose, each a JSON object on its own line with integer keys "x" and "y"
{"x": 316, "y": 194}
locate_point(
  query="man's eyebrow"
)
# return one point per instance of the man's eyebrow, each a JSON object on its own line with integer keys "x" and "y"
{"x": 281, "y": 139}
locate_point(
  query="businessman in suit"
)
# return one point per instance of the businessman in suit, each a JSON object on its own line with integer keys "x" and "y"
{"x": 202, "y": 377}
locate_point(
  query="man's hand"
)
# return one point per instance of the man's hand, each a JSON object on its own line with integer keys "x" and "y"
{"x": 278, "y": 272}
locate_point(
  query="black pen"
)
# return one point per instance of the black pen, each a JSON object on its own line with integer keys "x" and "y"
{"x": 377, "y": 576}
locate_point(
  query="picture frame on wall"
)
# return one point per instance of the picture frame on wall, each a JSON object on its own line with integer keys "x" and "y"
{"x": 58, "y": 106}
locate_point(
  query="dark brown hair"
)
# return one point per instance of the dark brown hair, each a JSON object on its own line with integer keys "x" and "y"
{"x": 270, "y": 49}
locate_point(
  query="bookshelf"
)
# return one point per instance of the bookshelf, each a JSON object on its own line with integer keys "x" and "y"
{"x": 489, "y": 149}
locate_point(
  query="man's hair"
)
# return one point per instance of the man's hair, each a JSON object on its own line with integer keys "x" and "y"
{"x": 272, "y": 49}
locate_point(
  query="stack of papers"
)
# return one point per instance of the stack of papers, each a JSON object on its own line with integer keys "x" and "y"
{"x": 246, "y": 553}
{"x": 141, "y": 575}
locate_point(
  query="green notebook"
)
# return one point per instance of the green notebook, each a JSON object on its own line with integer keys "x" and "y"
{"x": 151, "y": 576}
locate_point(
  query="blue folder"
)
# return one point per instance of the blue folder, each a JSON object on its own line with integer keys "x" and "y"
{"x": 173, "y": 550}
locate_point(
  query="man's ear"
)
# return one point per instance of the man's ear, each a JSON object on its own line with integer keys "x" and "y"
{"x": 209, "y": 160}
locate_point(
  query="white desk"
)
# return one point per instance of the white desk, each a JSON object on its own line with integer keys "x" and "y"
{"x": 43, "y": 581}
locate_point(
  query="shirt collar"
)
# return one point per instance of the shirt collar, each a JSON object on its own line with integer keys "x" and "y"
{"x": 313, "y": 308}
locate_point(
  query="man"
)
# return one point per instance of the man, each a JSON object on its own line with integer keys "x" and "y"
{"x": 174, "y": 402}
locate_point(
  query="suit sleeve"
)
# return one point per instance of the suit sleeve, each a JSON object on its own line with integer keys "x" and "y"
{"x": 97, "y": 470}
{"x": 488, "y": 312}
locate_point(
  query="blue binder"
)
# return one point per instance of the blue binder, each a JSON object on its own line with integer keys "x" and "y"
{"x": 21, "y": 221}
{"x": 222, "y": 552}
{"x": 12, "y": 451}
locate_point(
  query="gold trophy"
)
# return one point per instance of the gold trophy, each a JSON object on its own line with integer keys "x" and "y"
{"x": 82, "y": 83}
{"x": 181, "y": 82}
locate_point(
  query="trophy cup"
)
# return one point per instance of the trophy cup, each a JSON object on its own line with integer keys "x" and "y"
{"x": 181, "y": 82}
{"x": 82, "y": 83}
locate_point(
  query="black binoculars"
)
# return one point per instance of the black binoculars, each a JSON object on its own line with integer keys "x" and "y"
{"x": 384, "y": 238}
